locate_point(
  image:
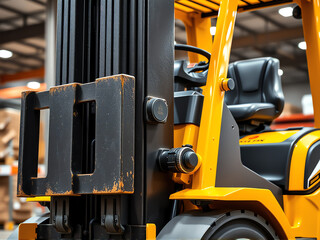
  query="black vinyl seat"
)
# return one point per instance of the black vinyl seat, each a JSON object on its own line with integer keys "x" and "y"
{"x": 257, "y": 98}
{"x": 248, "y": 111}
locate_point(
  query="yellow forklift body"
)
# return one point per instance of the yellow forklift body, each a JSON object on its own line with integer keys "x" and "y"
{"x": 298, "y": 209}
{"x": 297, "y": 166}
{"x": 268, "y": 203}
{"x": 267, "y": 137}
{"x": 300, "y": 214}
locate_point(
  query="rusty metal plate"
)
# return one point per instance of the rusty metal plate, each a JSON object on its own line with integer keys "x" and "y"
{"x": 113, "y": 153}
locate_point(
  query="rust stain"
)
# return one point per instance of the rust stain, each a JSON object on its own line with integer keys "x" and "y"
{"x": 117, "y": 188}
{"x": 63, "y": 88}
{"x": 101, "y": 79}
{"x": 125, "y": 78}
{"x": 105, "y": 78}
{"x": 117, "y": 192}
{"x": 95, "y": 190}
{"x": 69, "y": 193}
{"x": 21, "y": 192}
{"x": 48, "y": 192}
{"x": 26, "y": 93}
{"x": 122, "y": 77}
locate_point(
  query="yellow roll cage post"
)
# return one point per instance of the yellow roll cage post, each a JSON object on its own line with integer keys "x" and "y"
{"x": 311, "y": 29}
{"x": 205, "y": 139}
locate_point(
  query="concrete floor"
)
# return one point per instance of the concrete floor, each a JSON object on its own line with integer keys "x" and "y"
{"x": 4, "y": 234}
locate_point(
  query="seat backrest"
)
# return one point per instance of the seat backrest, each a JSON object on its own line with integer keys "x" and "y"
{"x": 257, "y": 81}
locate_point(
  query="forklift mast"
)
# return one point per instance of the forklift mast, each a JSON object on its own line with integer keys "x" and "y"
{"x": 103, "y": 135}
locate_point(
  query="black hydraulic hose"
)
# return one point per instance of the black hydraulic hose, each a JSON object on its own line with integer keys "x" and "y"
{"x": 174, "y": 208}
{"x": 93, "y": 220}
{"x": 175, "y": 205}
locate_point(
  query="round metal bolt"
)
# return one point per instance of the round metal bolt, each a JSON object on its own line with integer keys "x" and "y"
{"x": 157, "y": 110}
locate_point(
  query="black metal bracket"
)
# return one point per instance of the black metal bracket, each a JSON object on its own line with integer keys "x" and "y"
{"x": 60, "y": 214}
{"x": 111, "y": 214}
{"x": 114, "y": 99}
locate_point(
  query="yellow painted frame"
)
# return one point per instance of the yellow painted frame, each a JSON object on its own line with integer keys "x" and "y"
{"x": 198, "y": 34}
{"x": 27, "y": 231}
{"x": 302, "y": 212}
{"x": 263, "y": 196}
{"x": 203, "y": 185}
{"x": 311, "y": 28}
{"x": 297, "y": 166}
{"x": 209, "y": 131}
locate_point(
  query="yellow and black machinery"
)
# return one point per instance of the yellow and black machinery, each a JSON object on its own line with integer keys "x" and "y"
{"x": 145, "y": 147}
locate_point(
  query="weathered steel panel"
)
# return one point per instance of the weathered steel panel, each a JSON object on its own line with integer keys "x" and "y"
{"x": 114, "y": 99}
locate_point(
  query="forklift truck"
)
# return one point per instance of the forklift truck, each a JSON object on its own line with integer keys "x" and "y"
{"x": 142, "y": 147}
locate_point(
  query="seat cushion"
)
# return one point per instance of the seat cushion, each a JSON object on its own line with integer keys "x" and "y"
{"x": 253, "y": 111}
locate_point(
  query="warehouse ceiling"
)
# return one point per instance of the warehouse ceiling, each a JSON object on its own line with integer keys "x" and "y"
{"x": 22, "y": 33}
{"x": 258, "y": 33}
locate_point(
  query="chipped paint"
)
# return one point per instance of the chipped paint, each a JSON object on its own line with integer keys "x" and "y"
{"x": 49, "y": 192}
{"x": 63, "y": 88}
{"x": 21, "y": 192}
{"x": 122, "y": 77}
{"x": 117, "y": 188}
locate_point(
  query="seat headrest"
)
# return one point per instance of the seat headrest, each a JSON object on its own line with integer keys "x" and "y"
{"x": 257, "y": 81}
{"x": 250, "y": 73}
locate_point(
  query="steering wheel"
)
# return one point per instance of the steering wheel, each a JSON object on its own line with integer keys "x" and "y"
{"x": 195, "y": 76}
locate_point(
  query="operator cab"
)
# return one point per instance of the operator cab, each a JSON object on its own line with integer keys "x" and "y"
{"x": 254, "y": 103}
{"x": 257, "y": 98}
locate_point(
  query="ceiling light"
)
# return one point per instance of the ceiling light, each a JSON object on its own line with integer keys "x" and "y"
{"x": 286, "y": 12}
{"x": 280, "y": 72}
{"x": 33, "y": 85}
{"x": 302, "y": 45}
{"x": 5, "y": 54}
{"x": 213, "y": 31}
